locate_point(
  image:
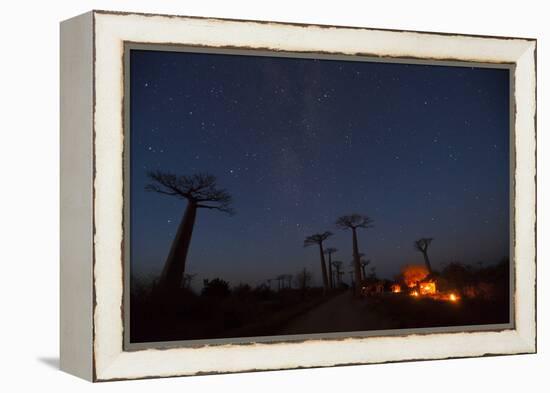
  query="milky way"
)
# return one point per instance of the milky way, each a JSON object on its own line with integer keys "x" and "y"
{"x": 423, "y": 150}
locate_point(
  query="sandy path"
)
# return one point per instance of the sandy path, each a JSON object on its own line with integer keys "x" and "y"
{"x": 343, "y": 313}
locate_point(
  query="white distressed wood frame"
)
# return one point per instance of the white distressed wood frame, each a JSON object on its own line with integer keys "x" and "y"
{"x": 92, "y": 89}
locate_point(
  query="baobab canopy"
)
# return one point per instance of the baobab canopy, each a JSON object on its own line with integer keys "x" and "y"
{"x": 199, "y": 188}
{"x": 200, "y": 191}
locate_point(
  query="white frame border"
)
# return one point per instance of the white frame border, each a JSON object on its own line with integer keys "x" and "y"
{"x": 111, "y": 30}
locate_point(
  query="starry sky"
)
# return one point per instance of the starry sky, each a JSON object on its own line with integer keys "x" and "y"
{"x": 421, "y": 149}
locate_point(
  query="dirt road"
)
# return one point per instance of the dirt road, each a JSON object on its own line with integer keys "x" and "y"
{"x": 343, "y": 313}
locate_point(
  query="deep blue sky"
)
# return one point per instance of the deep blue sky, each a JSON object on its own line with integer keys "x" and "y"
{"x": 423, "y": 150}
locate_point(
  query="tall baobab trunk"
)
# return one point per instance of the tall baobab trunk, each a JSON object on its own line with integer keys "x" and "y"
{"x": 422, "y": 245}
{"x": 318, "y": 239}
{"x": 356, "y": 263}
{"x": 201, "y": 192}
{"x": 427, "y": 261}
{"x": 337, "y": 274}
{"x": 174, "y": 268}
{"x": 364, "y": 275}
{"x": 323, "y": 268}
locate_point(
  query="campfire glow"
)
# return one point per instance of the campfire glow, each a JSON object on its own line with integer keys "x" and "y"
{"x": 420, "y": 284}
{"x": 453, "y": 297}
{"x": 427, "y": 288}
{"x": 413, "y": 274}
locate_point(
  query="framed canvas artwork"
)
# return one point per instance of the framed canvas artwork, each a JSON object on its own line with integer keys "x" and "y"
{"x": 246, "y": 195}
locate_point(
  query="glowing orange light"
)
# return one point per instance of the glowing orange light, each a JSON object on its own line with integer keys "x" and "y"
{"x": 396, "y": 288}
{"x": 427, "y": 288}
{"x": 453, "y": 297}
{"x": 414, "y": 293}
{"x": 413, "y": 274}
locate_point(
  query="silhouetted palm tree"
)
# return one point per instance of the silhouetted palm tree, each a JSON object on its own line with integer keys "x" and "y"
{"x": 329, "y": 251}
{"x": 201, "y": 192}
{"x": 353, "y": 222}
{"x": 318, "y": 239}
{"x": 422, "y": 246}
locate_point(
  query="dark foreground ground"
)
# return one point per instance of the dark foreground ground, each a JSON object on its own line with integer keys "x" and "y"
{"x": 406, "y": 312}
{"x": 290, "y": 313}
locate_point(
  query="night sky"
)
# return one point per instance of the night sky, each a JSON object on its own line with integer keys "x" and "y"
{"x": 423, "y": 150}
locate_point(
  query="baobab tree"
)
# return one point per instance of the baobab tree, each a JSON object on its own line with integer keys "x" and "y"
{"x": 187, "y": 279}
{"x": 201, "y": 192}
{"x": 338, "y": 267}
{"x": 280, "y": 281}
{"x": 351, "y": 280}
{"x": 318, "y": 239}
{"x": 422, "y": 246}
{"x": 284, "y": 280}
{"x": 364, "y": 264}
{"x": 288, "y": 278}
{"x": 329, "y": 251}
{"x": 353, "y": 222}
{"x": 302, "y": 280}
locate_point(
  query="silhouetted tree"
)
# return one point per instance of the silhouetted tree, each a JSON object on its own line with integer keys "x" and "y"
{"x": 187, "y": 279}
{"x": 318, "y": 239}
{"x": 284, "y": 281}
{"x": 353, "y": 222}
{"x": 280, "y": 280}
{"x": 242, "y": 290}
{"x": 288, "y": 278}
{"x": 216, "y": 288}
{"x": 459, "y": 274}
{"x": 303, "y": 279}
{"x": 422, "y": 246}
{"x": 329, "y": 251}
{"x": 351, "y": 280}
{"x": 262, "y": 292}
{"x": 364, "y": 264}
{"x": 201, "y": 192}
{"x": 338, "y": 267}
{"x": 372, "y": 276}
